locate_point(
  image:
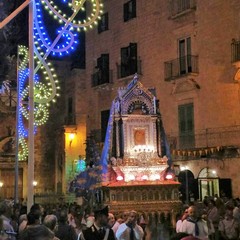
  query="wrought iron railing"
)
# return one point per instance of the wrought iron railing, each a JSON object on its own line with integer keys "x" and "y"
{"x": 180, "y": 67}
{"x": 101, "y": 77}
{"x": 211, "y": 137}
{"x": 235, "y": 51}
{"x": 180, "y": 6}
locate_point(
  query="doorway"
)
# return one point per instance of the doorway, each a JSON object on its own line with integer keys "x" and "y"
{"x": 8, "y": 179}
{"x": 208, "y": 182}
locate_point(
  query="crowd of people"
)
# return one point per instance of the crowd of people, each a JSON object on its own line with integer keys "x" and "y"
{"x": 213, "y": 219}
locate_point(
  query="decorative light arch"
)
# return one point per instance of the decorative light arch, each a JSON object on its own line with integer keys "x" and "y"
{"x": 46, "y": 84}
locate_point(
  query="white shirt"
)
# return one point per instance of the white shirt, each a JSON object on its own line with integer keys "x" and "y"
{"x": 115, "y": 227}
{"x": 123, "y": 232}
{"x": 189, "y": 228}
{"x": 179, "y": 226}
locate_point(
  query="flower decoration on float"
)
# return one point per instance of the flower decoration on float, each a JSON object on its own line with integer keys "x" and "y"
{"x": 46, "y": 84}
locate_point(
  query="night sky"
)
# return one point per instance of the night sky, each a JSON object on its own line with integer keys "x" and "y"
{"x": 16, "y": 32}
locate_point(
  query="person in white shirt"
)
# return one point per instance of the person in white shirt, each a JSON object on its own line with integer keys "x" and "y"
{"x": 130, "y": 230}
{"x": 195, "y": 226}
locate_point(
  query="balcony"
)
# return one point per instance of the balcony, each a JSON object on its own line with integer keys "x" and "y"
{"x": 180, "y": 67}
{"x": 207, "y": 141}
{"x": 180, "y": 7}
{"x": 70, "y": 119}
{"x": 101, "y": 77}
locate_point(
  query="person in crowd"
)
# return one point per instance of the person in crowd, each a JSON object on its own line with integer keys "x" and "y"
{"x": 79, "y": 221}
{"x": 22, "y": 222}
{"x": 71, "y": 219}
{"x": 112, "y": 223}
{"x": 213, "y": 218}
{"x": 5, "y": 216}
{"x": 205, "y": 226}
{"x": 195, "y": 226}
{"x": 180, "y": 220}
{"x": 38, "y": 209}
{"x": 3, "y": 234}
{"x": 236, "y": 210}
{"x": 130, "y": 230}
{"x": 34, "y": 229}
{"x": 229, "y": 227}
{"x": 50, "y": 221}
{"x": 64, "y": 230}
{"x": 99, "y": 230}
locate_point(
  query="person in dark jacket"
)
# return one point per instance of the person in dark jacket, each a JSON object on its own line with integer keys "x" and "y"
{"x": 34, "y": 230}
{"x": 99, "y": 230}
{"x": 64, "y": 230}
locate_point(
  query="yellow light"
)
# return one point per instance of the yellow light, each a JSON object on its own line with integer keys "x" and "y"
{"x": 71, "y": 136}
{"x": 35, "y": 183}
{"x": 1, "y": 184}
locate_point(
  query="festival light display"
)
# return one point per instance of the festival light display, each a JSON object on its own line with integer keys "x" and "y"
{"x": 45, "y": 79}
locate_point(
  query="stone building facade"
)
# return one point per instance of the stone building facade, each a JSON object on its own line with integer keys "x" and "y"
{"x": 187, "y": 50}
{"x": 184, "y": 49}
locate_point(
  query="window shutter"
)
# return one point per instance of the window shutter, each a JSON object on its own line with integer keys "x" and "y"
{"x": 133, "y": 8}
{"x": 105, "y": 68}
{"x": 133, "y": 57}
{"x": 125, "y": 12}
{"x": 124, "y": 61}
{"x": 186, "y": 126}
{"x": 106, "y": 21}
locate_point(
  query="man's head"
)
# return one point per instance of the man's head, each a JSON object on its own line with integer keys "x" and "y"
{"x": 101, "y": 216}
{"x": 50, "y": 221}
{"x": 132, "y": 217}
{"x": 192, "y": 212}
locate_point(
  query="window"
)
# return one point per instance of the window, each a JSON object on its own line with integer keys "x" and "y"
{"x": 104, "y": 123}
{"x": 186, "y": 126}
{"x": 70, "y": 106}
{"x": 103, "y": 23}
{"x": 185, "y": 62}
{"x": 182, "y": 6}
{"x": 235, "y": 50}
{"x": 129, "y": 60}
{"x": 101, "y": 75}
{"x": 70, "y": 118}
{"x": 129, "y": 10}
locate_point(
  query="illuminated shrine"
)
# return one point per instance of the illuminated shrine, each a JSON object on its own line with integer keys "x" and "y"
{"x": 138, "y": 174}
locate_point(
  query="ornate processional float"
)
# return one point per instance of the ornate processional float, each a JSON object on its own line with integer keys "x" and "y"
{"x": 136, "y": 159}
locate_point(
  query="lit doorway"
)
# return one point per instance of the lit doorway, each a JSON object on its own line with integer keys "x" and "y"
{"x": 208, "y": 182}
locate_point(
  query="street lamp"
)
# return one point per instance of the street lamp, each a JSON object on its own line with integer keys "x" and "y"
{"x": 185, "y": 169}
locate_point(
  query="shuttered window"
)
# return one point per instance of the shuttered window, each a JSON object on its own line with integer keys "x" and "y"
{"x": 186, "y": 126}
